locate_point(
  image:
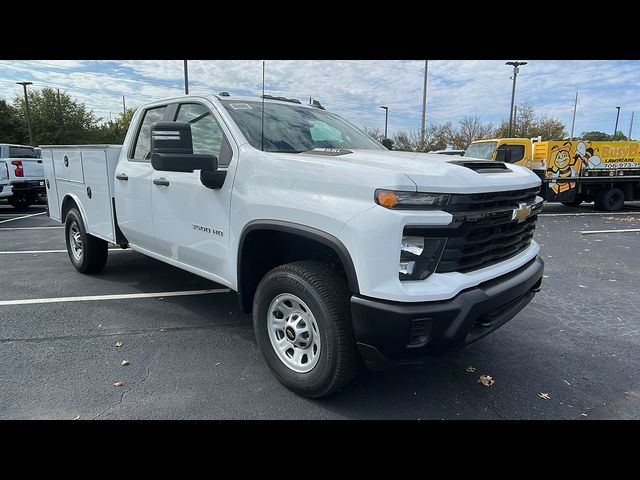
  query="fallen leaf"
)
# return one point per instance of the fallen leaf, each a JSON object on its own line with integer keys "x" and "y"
{"x": 583, "y": 414}
{"x": 217, "y": 364}
{"x": 486, "y": 380}
{"x": 583, "y": 286}
{"x": 118, "y": 344}
{"x": 118, "y": 384}
{"x": 544, "y": 396}
{"x": 125, "y": 363}
{"x": 470, "y": 369}
{"x": 77, "y": 418}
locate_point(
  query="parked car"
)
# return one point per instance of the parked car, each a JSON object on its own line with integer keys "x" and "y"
{"x": 26, "y": 175}
{"x": 342, "y": 250}
{"x": 6, "y": 189}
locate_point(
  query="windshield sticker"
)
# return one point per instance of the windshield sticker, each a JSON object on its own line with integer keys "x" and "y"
{"x": 240, "y": 106}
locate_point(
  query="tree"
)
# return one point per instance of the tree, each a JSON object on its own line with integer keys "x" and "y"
{"x": 596, "y": 136}
{"x": 114, "y": 131}
{"x": 56, "y": 118}
{"x": 13, "y": 127}
{"x": 471, "y": 129}
{"x": 374, "y": 133}
{"x": 528, "y": 125}
{"x": 411, "y": 140}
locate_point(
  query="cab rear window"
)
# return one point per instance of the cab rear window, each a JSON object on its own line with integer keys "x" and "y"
{"x": 22, "y": 152}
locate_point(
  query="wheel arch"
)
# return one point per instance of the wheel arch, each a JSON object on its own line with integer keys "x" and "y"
{"x": 69, "y": 201}
{"x": 301, "y": 233}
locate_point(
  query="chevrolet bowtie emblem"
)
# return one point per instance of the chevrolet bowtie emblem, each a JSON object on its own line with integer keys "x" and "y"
{"x": 521, "y": 213}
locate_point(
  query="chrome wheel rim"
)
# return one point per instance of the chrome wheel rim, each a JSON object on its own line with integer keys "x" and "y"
{"x": 294, "y": 333}
{"x": 75, "y": 241}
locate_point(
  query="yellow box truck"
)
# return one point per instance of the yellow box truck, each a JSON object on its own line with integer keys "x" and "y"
{"x": 572, "y": 172}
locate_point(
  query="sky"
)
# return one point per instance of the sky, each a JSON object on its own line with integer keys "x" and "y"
{"x": 355, "y": 89}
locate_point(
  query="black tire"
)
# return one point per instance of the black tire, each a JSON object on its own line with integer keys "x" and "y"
{"x": 610, "y": 200}
{"x": 576, "y": 203}
{"x": 326, "y": 293}
{"x": 93, "y": 256}
{"x": 20, "y": 202}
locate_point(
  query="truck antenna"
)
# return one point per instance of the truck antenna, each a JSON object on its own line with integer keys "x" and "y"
{"x": 263, "y": 105}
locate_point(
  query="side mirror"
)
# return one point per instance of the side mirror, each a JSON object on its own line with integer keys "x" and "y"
{"x": 388, "y": 143}
{"x": 172, "y": 149}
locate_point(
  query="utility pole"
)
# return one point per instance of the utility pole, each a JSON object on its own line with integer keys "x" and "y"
{"x": 515, "y": 118}
{"x": 186, "y": 79}
{"x": 631, "y": 124}
{"x": 26, "y": 104}
{"x": 513, "y": 91}
{"x": 124, "y": 105}
{"x": 424, "y": 102}
{"x": 615, "y": 130}
{"x": 386, "y": 119}
{"x": 573, "y": 122}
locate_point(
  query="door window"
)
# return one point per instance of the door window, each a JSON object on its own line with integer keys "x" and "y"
{"x": 142, "y": 152}
{"x": 206, "y": 133}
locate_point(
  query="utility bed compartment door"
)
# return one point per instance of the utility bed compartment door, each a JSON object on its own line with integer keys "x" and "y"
{"x": 68, "y": 165}
{"x": 96, "y": 197}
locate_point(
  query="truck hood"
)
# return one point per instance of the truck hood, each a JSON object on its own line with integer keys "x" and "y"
{"x": 436, "y": 173}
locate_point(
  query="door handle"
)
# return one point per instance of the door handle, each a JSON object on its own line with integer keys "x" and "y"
{"x": 122, "y": 176}
{"x": 161, "y": 181}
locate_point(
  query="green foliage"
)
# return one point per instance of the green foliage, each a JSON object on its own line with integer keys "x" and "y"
{"x": 13, "y": 126}
{"x": 56, "y": 118}
{"x": 528, "y": 125}
{"x": 114, "y": 131}
{"x": 603, "y": 137}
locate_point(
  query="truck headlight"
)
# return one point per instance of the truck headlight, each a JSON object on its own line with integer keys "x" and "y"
{"x": 419, "y": 256}
{"x": 410, "y": 200}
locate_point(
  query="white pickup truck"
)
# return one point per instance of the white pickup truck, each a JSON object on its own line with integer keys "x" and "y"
{"x": 344, "y": 251}
{"x": 25, "y": 181}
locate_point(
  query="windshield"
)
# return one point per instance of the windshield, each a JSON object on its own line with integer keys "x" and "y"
{"x": 481, "y": 150}
{"x": 295, "y": 128}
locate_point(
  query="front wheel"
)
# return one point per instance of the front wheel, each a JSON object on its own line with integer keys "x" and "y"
{"x": 302, "y": 323}
{"x": 87, "y": 253}
{"x": 610, "y": 200}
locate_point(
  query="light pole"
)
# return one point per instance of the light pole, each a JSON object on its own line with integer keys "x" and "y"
{"x": 186, "y": 79}
{"x": 386, "y": 119}
{"x": 26, "y": 104}
{"x": 513, "y": 91}
{"x": 615, "y": 130}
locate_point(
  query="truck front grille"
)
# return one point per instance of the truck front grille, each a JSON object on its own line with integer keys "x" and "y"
{"x": 483, "y": 231}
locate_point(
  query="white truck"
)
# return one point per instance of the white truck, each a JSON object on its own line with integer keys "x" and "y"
{"x": 344, "y": 251}
{"x": 25, "y": 173}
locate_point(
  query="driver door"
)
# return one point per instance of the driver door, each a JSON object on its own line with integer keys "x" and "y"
{"x": 191, "y": 221}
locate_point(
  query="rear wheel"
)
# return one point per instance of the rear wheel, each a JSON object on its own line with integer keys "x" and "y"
{"x": 302, "y": 323}
{"x": 87, "y": 253}
{"x": 610, "y": 200}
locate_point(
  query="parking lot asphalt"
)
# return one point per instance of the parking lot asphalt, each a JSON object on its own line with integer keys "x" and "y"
{"x": 195, "y": 357}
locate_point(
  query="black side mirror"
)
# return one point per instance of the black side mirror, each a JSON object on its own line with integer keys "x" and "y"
{"x": 388, "y": 143}
{"x": 172, "y": 149}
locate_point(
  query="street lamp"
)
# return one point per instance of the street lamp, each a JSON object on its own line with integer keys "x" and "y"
{"x": 26, "y": 104}
{"x": 386, "y": 119}
{"x": 515, "y": 66}
{"x": 615, "y": 130}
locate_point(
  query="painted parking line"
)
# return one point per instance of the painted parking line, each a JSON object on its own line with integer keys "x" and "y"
{"x": 588, "y": 232}
{"x": 28, "y": 228}
{"x": 125, "y": 296}
{"x": 587, "y": 214}
{"x": 18, "y": 252}
{"x": 20, "y": 218}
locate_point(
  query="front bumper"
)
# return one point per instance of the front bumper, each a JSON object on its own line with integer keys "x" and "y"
{"x": 396, "y": 333}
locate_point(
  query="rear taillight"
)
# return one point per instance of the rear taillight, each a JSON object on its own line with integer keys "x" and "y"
{"x": 19, "y": 170}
